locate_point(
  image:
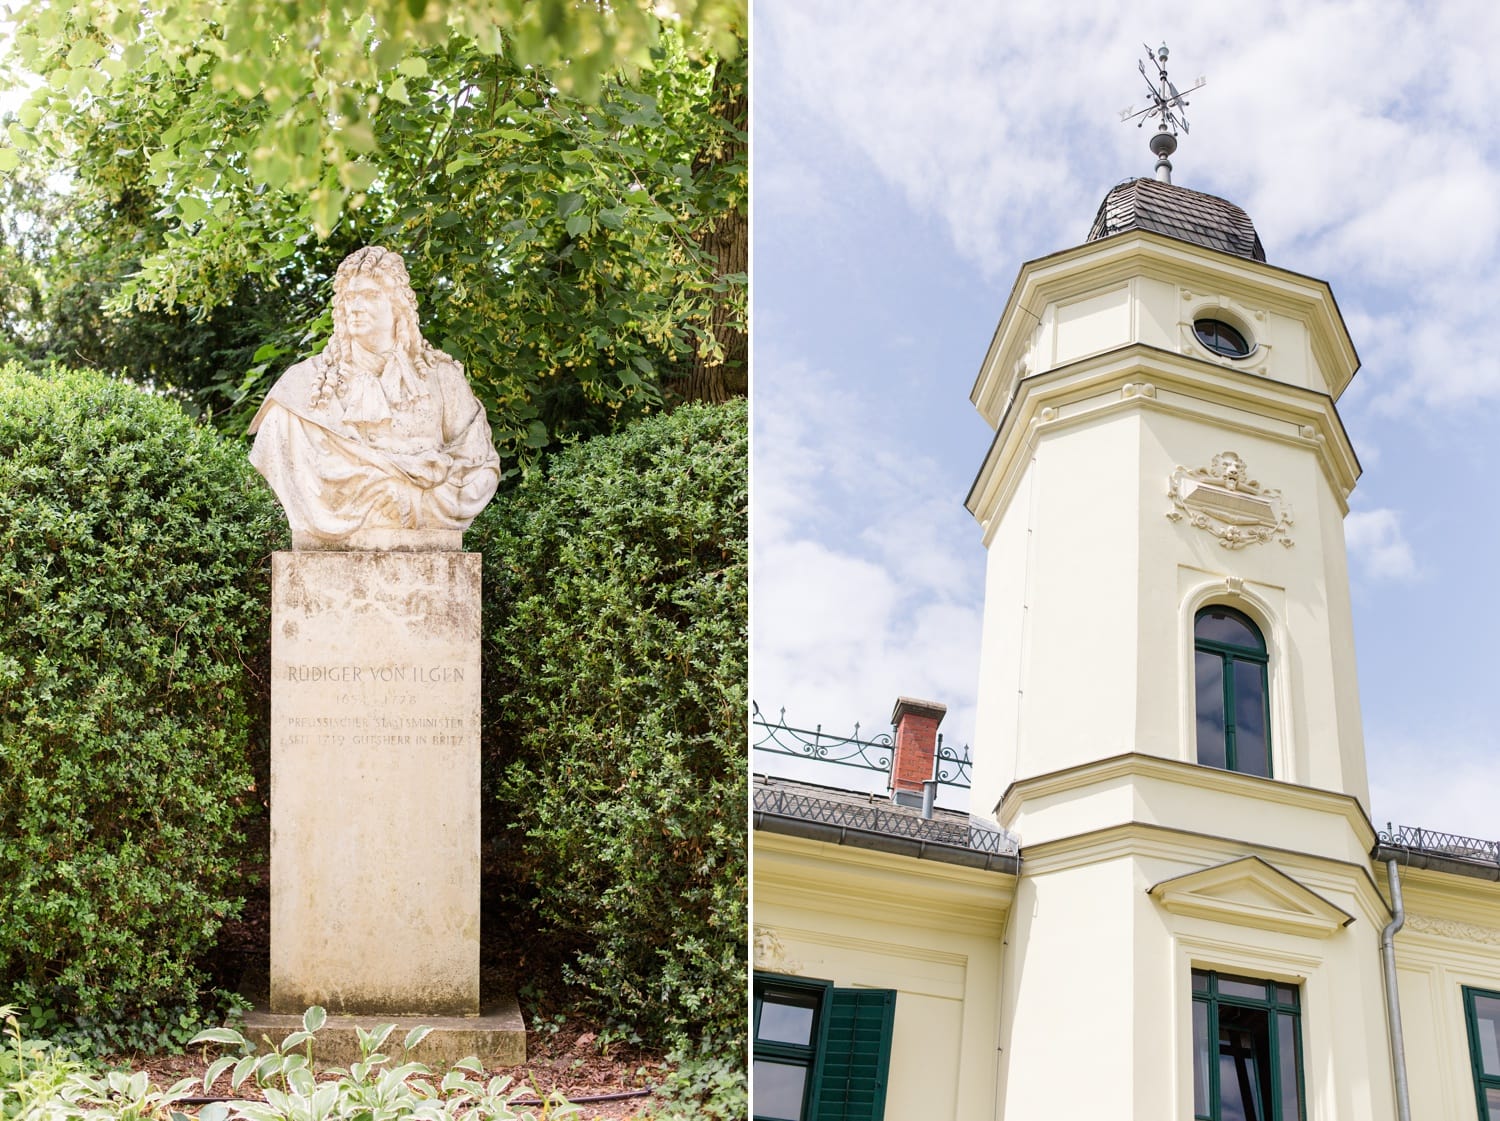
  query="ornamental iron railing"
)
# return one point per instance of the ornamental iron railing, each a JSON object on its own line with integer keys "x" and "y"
{"x": 876, "y": 818}
{"x": 951, "y": 767}
{"x": 1434, "y": 843}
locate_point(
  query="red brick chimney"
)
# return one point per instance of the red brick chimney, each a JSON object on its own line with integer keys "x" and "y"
{"x": 913, "y": 760}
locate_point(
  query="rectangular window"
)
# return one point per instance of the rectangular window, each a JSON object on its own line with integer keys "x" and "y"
{"x": 1247, "y": 1049}
{"x": 1482, "y": 1013}
{"x": 819, "y": 1053}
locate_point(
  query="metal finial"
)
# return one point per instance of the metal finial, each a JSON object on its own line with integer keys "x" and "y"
{"x": 1167, "y": 104}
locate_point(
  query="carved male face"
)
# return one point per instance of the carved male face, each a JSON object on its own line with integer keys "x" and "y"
{"x": 368, "y": 313}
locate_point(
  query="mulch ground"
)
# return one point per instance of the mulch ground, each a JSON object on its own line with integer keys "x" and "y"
{"x": 564, "y": 1053}
{"x": 569, "y": 1062}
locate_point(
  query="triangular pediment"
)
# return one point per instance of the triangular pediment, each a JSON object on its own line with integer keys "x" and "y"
{"x": 1249, "y": 892}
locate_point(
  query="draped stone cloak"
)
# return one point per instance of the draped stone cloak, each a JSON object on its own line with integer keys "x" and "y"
{"x": 346, "y": 463}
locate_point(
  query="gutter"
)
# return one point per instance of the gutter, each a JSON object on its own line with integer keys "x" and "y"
{"x": 1438, "y": 862}
{"x": 786, "y": 825}
{"x": 1392, "y": 997}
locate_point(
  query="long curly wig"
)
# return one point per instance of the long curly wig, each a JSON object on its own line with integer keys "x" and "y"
{"x": 389, "y": 270}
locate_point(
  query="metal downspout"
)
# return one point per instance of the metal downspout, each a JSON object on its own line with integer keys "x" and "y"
{"x": 1392, "y": 999}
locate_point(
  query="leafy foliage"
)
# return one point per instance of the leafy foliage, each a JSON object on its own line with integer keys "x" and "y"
{"x": 561, "y": 245}
{"x": 707, "y": 1083}
{"x": 616, "y": 642}
{"x": 39, "y": 1080}
{"x": 133, "y": 600}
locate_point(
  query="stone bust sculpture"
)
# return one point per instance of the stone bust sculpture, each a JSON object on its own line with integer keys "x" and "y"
{"x": 377, "y": 441}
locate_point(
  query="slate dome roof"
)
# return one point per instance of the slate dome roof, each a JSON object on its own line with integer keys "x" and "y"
{"x": 1207, "y": 220}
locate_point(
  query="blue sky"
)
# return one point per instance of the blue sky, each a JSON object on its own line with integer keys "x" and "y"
{"x": 906, "y": 159}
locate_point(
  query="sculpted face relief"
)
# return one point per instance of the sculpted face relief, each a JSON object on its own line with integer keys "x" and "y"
{"x": 377, "y": 442}
{"x": 370, "y": 315}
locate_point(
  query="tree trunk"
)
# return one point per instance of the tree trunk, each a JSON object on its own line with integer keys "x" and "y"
{"x": 726, "y": 241}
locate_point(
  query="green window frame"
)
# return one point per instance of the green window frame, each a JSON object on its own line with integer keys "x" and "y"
{"x": 819, "y": 1053}
{"x": 1482, "y": 1020}
{"x": 1247, "y": 1049}
{"x": 1233, "y": 697}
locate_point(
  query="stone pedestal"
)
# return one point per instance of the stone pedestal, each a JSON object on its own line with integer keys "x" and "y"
{"x": 375, "y": 782}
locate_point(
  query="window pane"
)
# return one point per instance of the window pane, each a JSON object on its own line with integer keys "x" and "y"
{"x": 1492, "y": 1104}
{"x": 1242, "y": 987}
{"x": 786, "y": 1018}
{"x": 1244, "y": 1063}
{"x": 1288, "y": 1072}
{"x": 1487, "y": 1023}
{"x": 1210, "y": 676}
{"x": 1221, "y": 338}
{"x": 778, "y": 1090}
{"x": 1200, "y": 1056}
{"x": 1286, "y": 994}
{"x": 1251, "y": 754}
{"x": 1200, "y": 981}
{"x": 1224, "y": 625}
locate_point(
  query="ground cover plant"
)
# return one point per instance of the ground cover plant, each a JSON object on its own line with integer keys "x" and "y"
{"x": 224, "y": 1075}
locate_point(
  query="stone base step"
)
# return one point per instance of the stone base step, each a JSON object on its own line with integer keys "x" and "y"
{"x": 496, "y": 1037}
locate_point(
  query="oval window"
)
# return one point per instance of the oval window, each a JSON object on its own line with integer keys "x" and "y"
{"x": 1221, "y": 338}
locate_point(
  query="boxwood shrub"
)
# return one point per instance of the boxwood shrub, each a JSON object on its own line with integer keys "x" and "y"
{"x": 133, "y": 606}
{"x": 615, "y": 619}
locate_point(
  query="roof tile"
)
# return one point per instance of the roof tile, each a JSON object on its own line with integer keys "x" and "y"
{"x": 1207, "y": 220}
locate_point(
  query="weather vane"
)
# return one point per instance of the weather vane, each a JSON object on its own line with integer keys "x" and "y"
{"x": 1167, "y": 104}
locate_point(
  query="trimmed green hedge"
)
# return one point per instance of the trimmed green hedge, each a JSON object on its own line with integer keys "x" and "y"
{"x": 615, "y": 661}
{"x": 133, "y": 604}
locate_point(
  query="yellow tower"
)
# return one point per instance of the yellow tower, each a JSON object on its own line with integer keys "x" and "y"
{"x": 1168, "y": 706}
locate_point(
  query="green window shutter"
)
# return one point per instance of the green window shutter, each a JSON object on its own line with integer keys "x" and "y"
{"x": 855, "y": 1058}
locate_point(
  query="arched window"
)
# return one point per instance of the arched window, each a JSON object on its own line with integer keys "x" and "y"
{"x": 1229, "y": 657}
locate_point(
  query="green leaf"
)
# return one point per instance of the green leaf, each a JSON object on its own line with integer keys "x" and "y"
{"x": 413, "y": 66}
{"x": 578, "y": 224}
{"x": 216, "y": 1068}
{"x": 242, "y": 1070}
{"x": 568, "y": 203}
{"x": 324, "y": 206}
{"x": 218, "y": 1035}
{"x": 84, "y": 53}
{"x": 314, "y": 1018}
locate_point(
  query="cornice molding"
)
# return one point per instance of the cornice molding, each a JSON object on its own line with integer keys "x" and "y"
{"x": 1137, "y": 765}
{"x": 1166, "y": 843}
{"x": 1139, "y": 377}
{"x": 900, "y": 888}
{"x": 1095, "y": 266}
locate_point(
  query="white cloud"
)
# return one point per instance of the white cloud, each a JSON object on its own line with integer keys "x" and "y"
{"x": 1377, "y": 545}
{"x": 839, "y": 631}
{"x": 1358, "y": 135}
{"x": 1449, "y": 787}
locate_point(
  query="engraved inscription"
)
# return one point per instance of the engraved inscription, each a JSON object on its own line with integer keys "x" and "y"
{"x": 370, "y": 705}
{"x": 415, "y": 674}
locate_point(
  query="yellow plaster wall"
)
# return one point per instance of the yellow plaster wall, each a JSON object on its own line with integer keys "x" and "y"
{"x": 1451, "y": 940}
{"x": 929, "y": 930}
